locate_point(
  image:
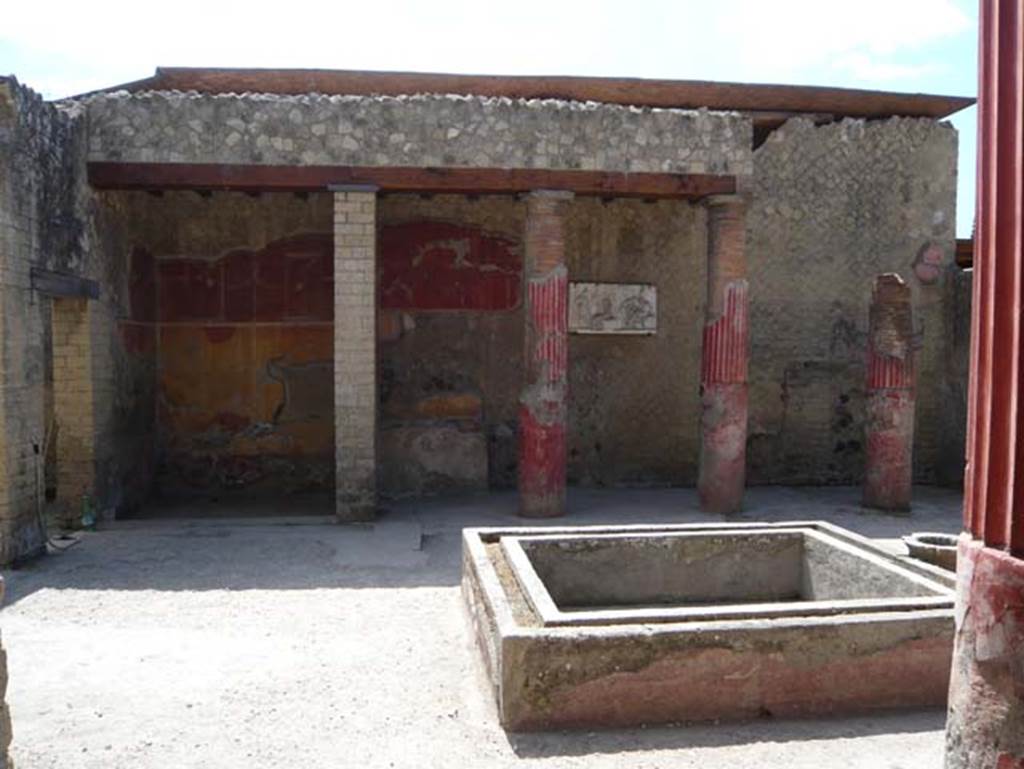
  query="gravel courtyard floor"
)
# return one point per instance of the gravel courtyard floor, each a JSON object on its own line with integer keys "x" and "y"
{"x": 287, "y": 641}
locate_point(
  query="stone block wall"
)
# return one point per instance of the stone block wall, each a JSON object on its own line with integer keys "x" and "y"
{"x": 37, "y": 228}
{"x": 173, "y": 127}
{"x": 82, "y": 402}
{"x": 50, "y": 220}
{"x": 832, "y": 207}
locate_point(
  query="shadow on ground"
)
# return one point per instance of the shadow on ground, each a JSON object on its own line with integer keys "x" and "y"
{"x": 414, "y": 543}
{"x": 718, "y": 735}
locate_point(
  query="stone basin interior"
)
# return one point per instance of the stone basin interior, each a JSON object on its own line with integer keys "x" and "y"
{"x": 605, "y": 573}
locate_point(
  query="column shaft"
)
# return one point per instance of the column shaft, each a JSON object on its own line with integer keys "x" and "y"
{"x": 543, "y": 404}
{"x": 723, "y": 451}
{"x": 889, "y": 426}
{"x": 985, "y": 723}
{"x": 355, "y": 353}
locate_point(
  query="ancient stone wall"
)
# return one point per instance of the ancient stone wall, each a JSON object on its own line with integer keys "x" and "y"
{"x": 634, "y": 402}
{"x": 220, "y": 307}
{"x": 450, "y": 341}
{"x": 174, "y": 127}
{"x": 5, "y": 712}
{"x": 49, "y": 221}
{"x": 832, "y": 207}
{"x": 33, "y": 137}
{"x": 951, "y": 455}
{"x": 451, "y": 374}
{"x": 236, "y": 293}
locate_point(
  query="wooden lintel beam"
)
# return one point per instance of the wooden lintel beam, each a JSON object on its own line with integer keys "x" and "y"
{"x": 217, "y": 176}
{"x": 965, "y": 253}
{"x": 62, "y": 285}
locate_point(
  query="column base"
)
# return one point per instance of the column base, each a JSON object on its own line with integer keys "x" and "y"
{"x": 355, "y": 507}
{"x": 542, "y": 452}
{"x": 723, "y": 448}
{"x": 888, "y": 472}
{"x": 985, "y": 723}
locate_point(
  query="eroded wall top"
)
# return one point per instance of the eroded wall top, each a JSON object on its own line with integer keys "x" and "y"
{"x": 832, "y": 207}
{"x": 455, "y": 131}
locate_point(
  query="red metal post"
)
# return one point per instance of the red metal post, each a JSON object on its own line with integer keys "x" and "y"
{"x": 985, "y": 725}
{"x": 542, "y": 406}
{"x": 889, "y": 427}
{"x": 723, "y": 450}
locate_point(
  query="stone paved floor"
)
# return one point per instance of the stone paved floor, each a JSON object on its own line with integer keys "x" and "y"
{"x": 285, "y": 641}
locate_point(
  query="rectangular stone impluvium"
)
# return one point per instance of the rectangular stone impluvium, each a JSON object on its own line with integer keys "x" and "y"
{"x": 617, "y": 626}
{"x": 613, "y": 578}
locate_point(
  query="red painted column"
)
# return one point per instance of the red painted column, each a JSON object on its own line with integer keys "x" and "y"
{"x": 889, "y": 427}
{"x": 985, "y": 724}
{"x": 723, "y": 380}
{"x": 542, "y": 406}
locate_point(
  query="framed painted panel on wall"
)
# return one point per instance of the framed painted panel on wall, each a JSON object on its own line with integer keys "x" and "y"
{"x": 613, "y": 308}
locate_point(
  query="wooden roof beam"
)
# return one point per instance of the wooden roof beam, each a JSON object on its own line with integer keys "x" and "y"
{"x": 685, "y": 94}
{"x": 214, "y": 176}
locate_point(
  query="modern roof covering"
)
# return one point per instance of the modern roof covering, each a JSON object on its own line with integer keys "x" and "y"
{"x": 773, "y": 103}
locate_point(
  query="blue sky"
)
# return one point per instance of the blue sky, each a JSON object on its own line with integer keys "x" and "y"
{"x": 61, "y": 48}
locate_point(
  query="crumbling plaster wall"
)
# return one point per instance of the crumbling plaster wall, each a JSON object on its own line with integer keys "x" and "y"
{"x": 633, "y": 403}
{"x": 238, "y": 290}
{"x": 424, "y": 130}
{"x": 49, "y": 219}
{"x": 450, "y": 379}
{"x": 833, "y": 206}
{"x": 465, "y": 366}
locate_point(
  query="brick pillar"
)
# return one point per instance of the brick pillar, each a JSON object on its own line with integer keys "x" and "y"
{"x": 889, "y": 426}
{"x": 723, "y": 380}
{"x": 355, "y": 352}
{"x": 542, "y": 405}
{"x": 985, "y": 723}
{"x": 82, "y": 403}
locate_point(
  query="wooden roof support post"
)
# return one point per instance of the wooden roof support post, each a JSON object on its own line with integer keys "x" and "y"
{"x": 985, "y": 727}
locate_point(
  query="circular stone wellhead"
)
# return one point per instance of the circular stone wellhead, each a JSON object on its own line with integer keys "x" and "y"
{"x": 933, "y": 547}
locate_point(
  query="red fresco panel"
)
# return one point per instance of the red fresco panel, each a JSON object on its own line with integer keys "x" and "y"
{"x": 442, "y": 266}
{"x": 291, "y": 279}
{"x": 239, "y": 297}
{"x": 190, "y": 289}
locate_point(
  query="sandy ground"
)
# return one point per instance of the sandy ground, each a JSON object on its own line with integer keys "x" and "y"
{"x": 296, "y": 643}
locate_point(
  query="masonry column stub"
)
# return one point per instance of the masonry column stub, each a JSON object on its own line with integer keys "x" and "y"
{"x": 543, "y": 403}
{"x": 355, "y": 351}
{"x": 723, "y": 451}
{"x": 889, "y": 424}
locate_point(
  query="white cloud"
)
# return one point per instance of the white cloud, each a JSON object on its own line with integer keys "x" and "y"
{"x": 867, "y": 39}
{"x": 863, "y": 67}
